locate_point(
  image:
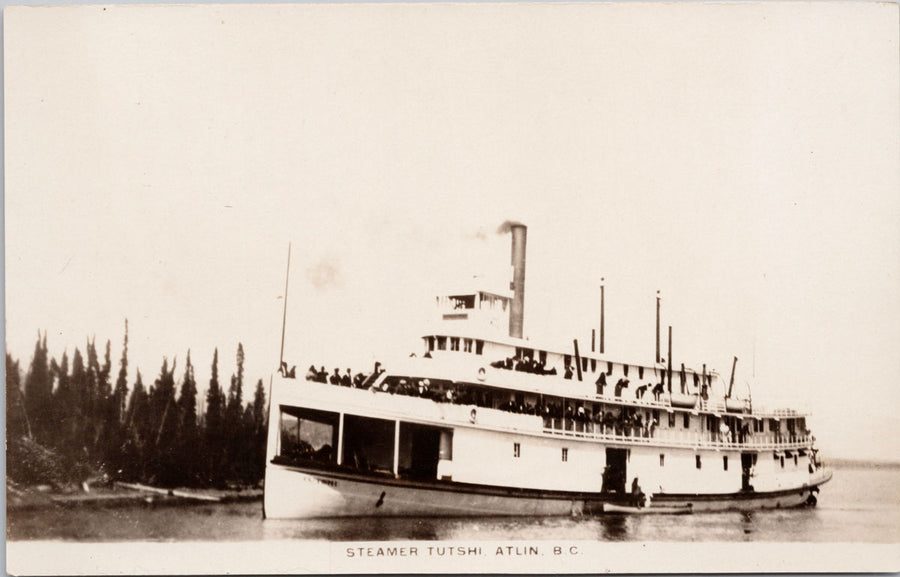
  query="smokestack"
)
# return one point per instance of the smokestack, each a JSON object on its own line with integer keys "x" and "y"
{"x": 657, "y": 327}
{"x": 517, "y": 311}
{"x": 602, "y": 304}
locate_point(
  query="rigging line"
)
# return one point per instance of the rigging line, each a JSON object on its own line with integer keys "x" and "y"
{"x": 287, "y": 278}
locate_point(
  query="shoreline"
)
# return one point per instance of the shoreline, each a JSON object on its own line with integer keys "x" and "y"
{"x": 123, "y": 495}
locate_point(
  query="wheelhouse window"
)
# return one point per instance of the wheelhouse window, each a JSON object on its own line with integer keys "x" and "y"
{"x": 430, "y": 342}
{"x": 463, "y": 302}
{"x": 467, "y": 345}
{"x": 442, "y": 343}
{"x": 308, "y": 435}
{"x": 565, "y": 454}
{"x": 454, "y": 343}
{"x": 479, "y": 347}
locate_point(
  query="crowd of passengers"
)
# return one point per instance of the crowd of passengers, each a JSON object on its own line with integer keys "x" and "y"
{"x": 524, "y": 365}
{"x": 626, "y": 422}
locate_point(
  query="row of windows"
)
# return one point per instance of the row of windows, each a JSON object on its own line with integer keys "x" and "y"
{"x": 517, "y": 452}
{"x": 440, "y": 343}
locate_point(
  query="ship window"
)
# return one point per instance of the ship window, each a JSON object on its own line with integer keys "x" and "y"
{"x": 687, "y": 420}
{"x": 567, "y": 360}
{"x": 584, "y": 362}
{"x": 467, "y": 345}
{"x": 697, "y": 459}
{"x": 795, "y": 460}
{"x": 671, "y": 420}
{"x": 662, "y": 460}
{"x": 454, "y": 343}
{"x": 368, "y": 444}
{"x": 625, "y": 369}
{"x": 542, "y": 356}
{"x": 479, "y": 347}
{"x": 565, "y": 454}
{"x": 640, "y": 372}
{"x": 725, "y": 463}
{"x": 517, "y": 450}
{"x": 609, "y": 367}
{"x": 442, "y": 343}
{"x": 308, "y": 435}
{"x": 782, "y": 462}
{"x": 593, "y": 365}
{"x": 430, "y": 343}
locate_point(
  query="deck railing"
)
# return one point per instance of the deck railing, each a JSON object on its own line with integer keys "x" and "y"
{"x": 674, "y": 438}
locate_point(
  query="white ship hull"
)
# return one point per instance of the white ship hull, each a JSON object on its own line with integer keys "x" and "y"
{"x": 296, "y": 493}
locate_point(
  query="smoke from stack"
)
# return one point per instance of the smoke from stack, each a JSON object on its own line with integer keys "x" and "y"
{"x": 507, "y": 225}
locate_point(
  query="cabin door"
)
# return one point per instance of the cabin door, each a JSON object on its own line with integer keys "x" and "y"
{"x": 615, "y": 475}
{"x": 747, "y": 462}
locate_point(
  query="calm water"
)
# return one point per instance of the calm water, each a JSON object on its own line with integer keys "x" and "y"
{"x": 860, "y": 505}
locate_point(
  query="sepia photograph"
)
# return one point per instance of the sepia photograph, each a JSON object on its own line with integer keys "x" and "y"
{"x": 513, "y": 287}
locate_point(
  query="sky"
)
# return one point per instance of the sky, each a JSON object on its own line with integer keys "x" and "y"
{"x": 743, "y": 159}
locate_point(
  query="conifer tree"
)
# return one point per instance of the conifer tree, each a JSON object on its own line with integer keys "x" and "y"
{"x": 213, "y": 433}
{"x": 16, "y": 418}
{"x": 73, "y": 407}
{"x": 258, "y": 438}
{"x": 164, "y": 427}
{"x": 134, "y": 459}
{"x": 38, "y": 392}
{"x": 121, "y": 391}
{"x": 188, "y": 433}
{"x": 90, "y": 405}
{"x": 62, "y": 397}
{"x": 235, "y": 431}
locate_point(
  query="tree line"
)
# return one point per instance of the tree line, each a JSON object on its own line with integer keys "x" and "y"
{"x": 69, "y": 422}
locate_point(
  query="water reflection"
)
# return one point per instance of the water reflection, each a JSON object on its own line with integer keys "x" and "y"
{"x": 747, "y": 524}
{"x": 613, "y": 527}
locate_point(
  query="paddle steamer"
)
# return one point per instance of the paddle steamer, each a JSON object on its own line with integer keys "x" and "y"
{"x": 484, "y": 422}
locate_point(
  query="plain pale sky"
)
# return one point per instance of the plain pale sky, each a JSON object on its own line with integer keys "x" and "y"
{"x": 742, "y": 158}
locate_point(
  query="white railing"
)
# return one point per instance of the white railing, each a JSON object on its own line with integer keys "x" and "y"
{"x": 672, "y": 438}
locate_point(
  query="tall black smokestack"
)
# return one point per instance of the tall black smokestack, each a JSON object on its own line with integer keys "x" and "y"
{"x": 517, "y": 311}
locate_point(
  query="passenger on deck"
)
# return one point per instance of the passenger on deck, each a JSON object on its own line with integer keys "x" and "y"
{"x": 639, "y": 392}
{"x": 358, "y": 380}
{"x": 336, "y": 377}
{"x": 622, "y": 384}
{"x": 322, "y": 375}
{"x": 637, "y": 495}
{"x": 601, "y": 383}
{"x": 658, "y": 389}
{"x": 311, "y": 373}
{"x": 346, "y": 380}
